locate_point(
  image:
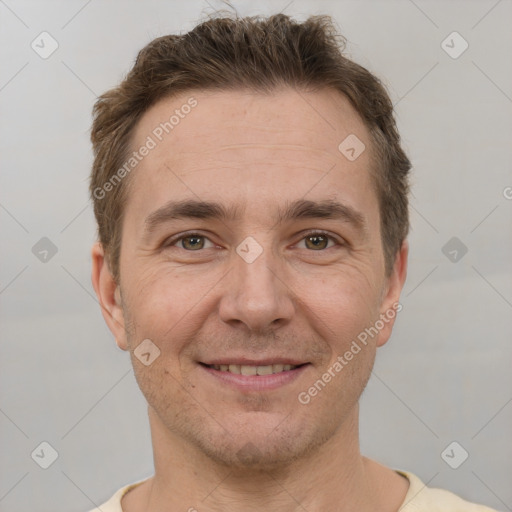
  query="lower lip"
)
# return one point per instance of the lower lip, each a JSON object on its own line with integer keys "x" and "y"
{"x": 256, "y": 382}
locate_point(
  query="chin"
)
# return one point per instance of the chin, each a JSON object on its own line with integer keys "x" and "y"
{"x": 253, "y": 446}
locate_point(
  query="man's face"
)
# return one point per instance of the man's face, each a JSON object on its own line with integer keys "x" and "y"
{"x": 257, "y": 288}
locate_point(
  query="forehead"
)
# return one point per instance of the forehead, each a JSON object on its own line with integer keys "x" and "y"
{"x": 200, "y": 120}
{"x": 289, "y": 142}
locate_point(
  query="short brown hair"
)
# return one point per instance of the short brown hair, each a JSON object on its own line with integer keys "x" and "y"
{"x": 259, "y": 54}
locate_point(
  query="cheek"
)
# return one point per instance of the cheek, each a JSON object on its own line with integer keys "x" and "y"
{"x": 160, "y": 309}
{"x": 341, "y": 314}
{"x": 163, "y": 387}
{"x": 347, "y": 298}
{"x": 160, "y": 305}
{"x": 341, "y": 309}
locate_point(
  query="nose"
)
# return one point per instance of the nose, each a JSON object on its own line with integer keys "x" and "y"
{"x": 257, "y": 294}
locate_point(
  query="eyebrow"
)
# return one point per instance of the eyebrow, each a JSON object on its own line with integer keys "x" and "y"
{"x": 296, "y": 210}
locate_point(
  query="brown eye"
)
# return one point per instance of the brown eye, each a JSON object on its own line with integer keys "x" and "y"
{"x": 318, "y": 241}
{"x": 192, "y": 242}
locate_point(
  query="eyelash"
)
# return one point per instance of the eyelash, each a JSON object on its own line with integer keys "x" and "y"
{"x": 174, "y": 240}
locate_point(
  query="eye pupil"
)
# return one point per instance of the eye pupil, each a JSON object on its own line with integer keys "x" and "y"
{"x": 194, "y": 246}
{"x": 313, "y": 241}
{"x": 317, "y": 240}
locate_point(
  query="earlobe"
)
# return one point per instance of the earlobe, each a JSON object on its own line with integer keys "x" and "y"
{"x": 109, "y": 295}
{"x": 390, "y": 305}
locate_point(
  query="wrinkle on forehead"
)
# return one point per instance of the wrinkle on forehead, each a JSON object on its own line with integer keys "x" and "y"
{"x": 217, "y": 158}
{"x": 324, "y": 117}
{"x": 254, "y": 142}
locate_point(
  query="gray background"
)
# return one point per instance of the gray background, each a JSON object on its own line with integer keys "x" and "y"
{"x": 445, "y": 375}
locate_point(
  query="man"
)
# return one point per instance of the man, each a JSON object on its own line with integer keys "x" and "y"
{"x": 251, "y": 198}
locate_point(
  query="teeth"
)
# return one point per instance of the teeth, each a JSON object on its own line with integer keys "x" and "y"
{"x": 253, "y": 370}
{"x": 249, "y": 370}
{"x": 264, "y": 370}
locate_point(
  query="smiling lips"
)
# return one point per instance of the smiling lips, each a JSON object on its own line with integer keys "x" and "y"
{"x": 245, "y": 366}
{"x": 247, "y": 375}
{"x": 243, "y": 369}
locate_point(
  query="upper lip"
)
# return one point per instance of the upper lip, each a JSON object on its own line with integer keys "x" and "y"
{"x": 254, "y": 362}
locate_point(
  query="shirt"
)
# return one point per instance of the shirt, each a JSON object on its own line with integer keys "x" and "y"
{"x": 419, "y": 498}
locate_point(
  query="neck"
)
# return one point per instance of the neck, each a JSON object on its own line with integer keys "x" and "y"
{"x": 335, "y": 477}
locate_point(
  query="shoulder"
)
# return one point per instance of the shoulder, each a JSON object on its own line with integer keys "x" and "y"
{"x": 421, "y": 498}
{"x": 114, "y": 503}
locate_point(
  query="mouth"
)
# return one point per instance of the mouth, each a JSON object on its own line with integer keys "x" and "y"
{"x": 244, "y": 369}
{"x": 250, "y": 376}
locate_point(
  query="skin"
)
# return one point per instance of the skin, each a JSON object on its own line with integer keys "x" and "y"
{"x": 219, "y": 448}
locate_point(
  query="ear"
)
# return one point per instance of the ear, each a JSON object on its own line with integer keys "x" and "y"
{"x": 390, "y": 305}
{"x": 109, "y": 296}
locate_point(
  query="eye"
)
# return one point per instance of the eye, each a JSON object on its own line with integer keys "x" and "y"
{"x": 190, "y": 242}
{"x": 193, "y": 242}
{"x": 319, "y": 240}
